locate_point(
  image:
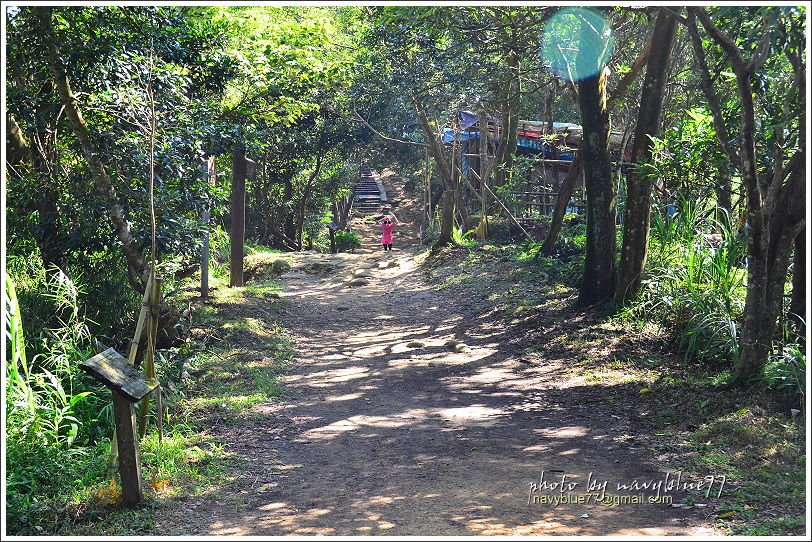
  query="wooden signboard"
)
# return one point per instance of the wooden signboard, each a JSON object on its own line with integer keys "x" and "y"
{"x": 114, "y": 371}
{"x": 128, "y": 386}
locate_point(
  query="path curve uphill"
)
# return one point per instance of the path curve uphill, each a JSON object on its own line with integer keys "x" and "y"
{"x": 405, "y": 415}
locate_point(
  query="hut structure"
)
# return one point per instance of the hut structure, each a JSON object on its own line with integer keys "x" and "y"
{"x": 552, "y": 147}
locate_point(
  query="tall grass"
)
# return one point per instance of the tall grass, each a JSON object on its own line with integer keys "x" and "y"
{"x": 47, "y": 407}
{"x": 43, "y": 396}
{"x": 695, "y": 286}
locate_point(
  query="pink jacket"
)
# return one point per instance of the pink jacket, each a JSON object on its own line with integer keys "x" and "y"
{"x": 386, "y": 238}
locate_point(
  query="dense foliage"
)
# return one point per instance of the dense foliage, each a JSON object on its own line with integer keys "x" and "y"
{"x": 311, "y": 93}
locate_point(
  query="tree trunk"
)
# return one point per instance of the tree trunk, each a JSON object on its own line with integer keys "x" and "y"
{"x": 565, "y": 190}
{"x": 638, "y": 200}
{"x": 724, "y": 192}
{"x": 18, "y": 148}
{"x": 775, "y": 212}
{"x": 797, "y": 305}
{"x": 309, "y": 185}
{"x": 706, "y": 82}
{"x": 135, "y": 259}
{"x": 601, "y": 193}
{"x": 19, "y": 151}
{"x": 724, "y": 188}
{"x": 447, "y": 222}
{"x": 510, "y": 121}
{"x": 548, "y": 105}
{"x": 768, "y": 262}
{"x": 449, "y": 186}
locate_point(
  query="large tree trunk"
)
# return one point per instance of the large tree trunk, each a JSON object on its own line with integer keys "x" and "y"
{"x": 775, "y": 211}
{"x": 565, "y": 191}
{"x": 768, "y": 262}
{"x": 638, "y": 201}
{"x": 135, "y": 260}
{"x": 601, "y": 192}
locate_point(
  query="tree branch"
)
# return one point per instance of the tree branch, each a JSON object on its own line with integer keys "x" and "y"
{"x": 360, "y": 119}
{"x": 722, "y": 39}
{"x": 706, "y": 83}
{"x": 624, "y": 84}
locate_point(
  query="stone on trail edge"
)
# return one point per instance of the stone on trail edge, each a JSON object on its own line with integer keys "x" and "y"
{"x": 360, "y": 281}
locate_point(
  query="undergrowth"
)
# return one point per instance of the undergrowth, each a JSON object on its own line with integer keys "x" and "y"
{"x": 59, "y": 421}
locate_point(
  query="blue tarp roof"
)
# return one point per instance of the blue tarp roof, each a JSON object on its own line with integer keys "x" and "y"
{"x": 523, "y": 142}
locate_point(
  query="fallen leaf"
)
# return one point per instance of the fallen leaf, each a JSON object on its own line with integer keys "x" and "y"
{"x": 726, "y": 515}
{"x": 158, "y": 485}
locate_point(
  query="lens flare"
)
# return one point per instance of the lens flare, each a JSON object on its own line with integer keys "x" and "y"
{"x": 576, "y": 43}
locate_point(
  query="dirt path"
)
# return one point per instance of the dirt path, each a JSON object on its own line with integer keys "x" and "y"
{"x": 387, "y": 430}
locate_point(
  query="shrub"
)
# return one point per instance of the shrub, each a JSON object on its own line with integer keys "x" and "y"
{"x": 263, "y": 266}
{"x": 52, "y": 409}
{"x": 785, "y": 375}
{"x": 347, "y": 241}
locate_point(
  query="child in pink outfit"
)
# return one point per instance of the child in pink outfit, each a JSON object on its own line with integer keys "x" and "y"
{"x": 387, "y": 225}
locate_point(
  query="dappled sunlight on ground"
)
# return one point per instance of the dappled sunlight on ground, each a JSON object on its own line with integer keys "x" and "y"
{"x": 407, "y": 414}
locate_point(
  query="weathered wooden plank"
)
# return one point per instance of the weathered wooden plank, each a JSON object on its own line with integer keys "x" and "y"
{"x": 115, "y": 372}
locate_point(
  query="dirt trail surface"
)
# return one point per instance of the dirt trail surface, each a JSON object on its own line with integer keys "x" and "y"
{"x": 388, "y": 428}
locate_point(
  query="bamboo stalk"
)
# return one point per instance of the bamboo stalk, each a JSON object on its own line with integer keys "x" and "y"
{"x": 149, "y": 356}
{"x": 139, "y": 329}
{"x": 513, "y": 218}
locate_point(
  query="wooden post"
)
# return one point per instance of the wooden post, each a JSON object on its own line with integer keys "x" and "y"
{"x": 129, "y": 461}
{"x": 237, "y": 216}
{"x": 331, "y": 230}
{"x": 133, "y": 353}
{"x": 210, "y": 171}
{"x": 127, "y": 386}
